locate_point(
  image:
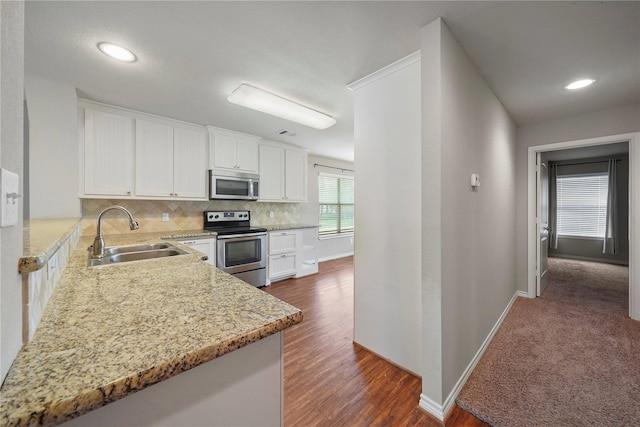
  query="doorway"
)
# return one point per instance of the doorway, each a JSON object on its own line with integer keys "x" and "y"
{"x": 534, "y": 241}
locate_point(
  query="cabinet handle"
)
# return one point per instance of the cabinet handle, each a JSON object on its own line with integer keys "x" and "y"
{"x": 283, "y": 256}
{"x": 129, "y": 192}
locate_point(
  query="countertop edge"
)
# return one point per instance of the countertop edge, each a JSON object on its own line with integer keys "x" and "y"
{"x": 279, "y": 227}
{"x": 31, "y": 263}
{"x": 65, "y": 410}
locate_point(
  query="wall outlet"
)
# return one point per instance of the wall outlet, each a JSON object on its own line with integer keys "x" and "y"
{"x": 165, "y": 216}
{"x": 271, "y": 214}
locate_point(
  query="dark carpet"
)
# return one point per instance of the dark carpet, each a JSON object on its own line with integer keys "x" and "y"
{"x": 568, "y": 358}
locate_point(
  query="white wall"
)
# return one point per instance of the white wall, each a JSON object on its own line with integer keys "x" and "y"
{"x": 602, "y": 123}
{"x": 11, "y": 158}
{"x": 387, "y": 239}
{"x": 469, "y": 245}
{"x": 334, "y": 247}
{"x": 53, "y": 148}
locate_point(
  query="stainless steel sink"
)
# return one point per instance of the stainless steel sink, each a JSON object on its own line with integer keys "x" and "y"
{"x": 135, "y": 248}
{"x": 118, "y": 254}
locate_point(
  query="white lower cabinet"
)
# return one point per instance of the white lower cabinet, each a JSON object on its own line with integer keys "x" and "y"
{"x": 282, "y": 254}
{"x": 206, "y": 246}
{"x": 292, "y": 253}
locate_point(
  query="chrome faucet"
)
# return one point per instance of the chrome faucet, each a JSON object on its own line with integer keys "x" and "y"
{"x": 98, "y": 242}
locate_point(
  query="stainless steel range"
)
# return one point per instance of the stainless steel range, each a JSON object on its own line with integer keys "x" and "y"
{"x": 241, "y": 249}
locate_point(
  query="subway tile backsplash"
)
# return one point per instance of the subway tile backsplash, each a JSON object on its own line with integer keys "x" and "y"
{"x": 183, "y": 215}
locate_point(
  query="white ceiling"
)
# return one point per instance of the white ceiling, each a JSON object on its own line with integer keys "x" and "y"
{"x": 191, "y": 55}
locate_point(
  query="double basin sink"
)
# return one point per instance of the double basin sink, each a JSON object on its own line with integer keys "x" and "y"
{"x": 119, "y": 254}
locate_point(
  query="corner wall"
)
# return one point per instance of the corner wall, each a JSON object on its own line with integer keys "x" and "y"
{"x": 387, "y": 290}
{"x": 11, "y": 158}
{"x": 614, "y": 121}
{"x": 53, "y": 148}
{"x": 469, "y": 244}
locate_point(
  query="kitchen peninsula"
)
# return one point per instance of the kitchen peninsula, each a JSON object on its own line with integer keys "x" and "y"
{"x": 122, "y": 334}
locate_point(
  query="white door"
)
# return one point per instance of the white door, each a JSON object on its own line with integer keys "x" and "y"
{"x": 154, "y": 159}
{"x": 247, "y": 155}
{"x": 223, "y": 151}
{"x": 108, "y": 154}
{"x": 271, "y": 173}
{"x": 542, "y": 196}
{"x": 189, "y": 163}
{"x": 295, "y": 175}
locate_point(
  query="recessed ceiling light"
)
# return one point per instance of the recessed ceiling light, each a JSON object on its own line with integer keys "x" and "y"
{"x": 117, "y": 52}
{"x": 266, "y": 102}
{"x": 579, "y": 84}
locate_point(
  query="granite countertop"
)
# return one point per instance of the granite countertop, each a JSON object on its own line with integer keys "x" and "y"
{"x": 188, "y": 234}
{"x": 277, "y": 227}
{"x": 41, "y": 239}
{"x": 110, "y": 331}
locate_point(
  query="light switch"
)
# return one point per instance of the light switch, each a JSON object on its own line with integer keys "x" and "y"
{"x": 475, "y": 180}
{"x": 9, "y": 195}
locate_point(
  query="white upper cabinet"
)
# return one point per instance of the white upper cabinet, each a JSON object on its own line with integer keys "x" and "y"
{"x": 233, "y": 150}
{"x": 189, "y": 163}
{"x": 137, "y": 155}
{"x": 295, "y": 173}
{"x": 283, "y": 173}
{"x": 271, "y": 173}
{"x": 108, "y": 154}
{"x": 154, "y": 159}
{"x": 170, "y": 161}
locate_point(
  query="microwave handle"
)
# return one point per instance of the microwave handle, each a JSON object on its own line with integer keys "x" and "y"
{"x": 254, "y": 189}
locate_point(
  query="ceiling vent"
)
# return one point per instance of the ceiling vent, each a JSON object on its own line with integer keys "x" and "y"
{"x": 285, "y": 132}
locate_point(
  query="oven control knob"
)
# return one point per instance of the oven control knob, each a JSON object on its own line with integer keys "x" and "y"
{"x": 217, "y": 216}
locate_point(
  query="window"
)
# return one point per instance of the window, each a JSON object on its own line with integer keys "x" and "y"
{"x": 582, "y": 205}
{"x": 335, "y": 197}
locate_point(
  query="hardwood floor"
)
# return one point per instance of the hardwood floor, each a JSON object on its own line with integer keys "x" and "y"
{"x": 329, "y": 380}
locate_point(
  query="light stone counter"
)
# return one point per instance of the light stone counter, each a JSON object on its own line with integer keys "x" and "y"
{"x": 278, "y": 227}
{"x": 42, "y": 238}
{"x": 110, "y": 331}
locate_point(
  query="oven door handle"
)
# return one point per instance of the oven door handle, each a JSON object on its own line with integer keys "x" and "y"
{"x": 239, "y": 236}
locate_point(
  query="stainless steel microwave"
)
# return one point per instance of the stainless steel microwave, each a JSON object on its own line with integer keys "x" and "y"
{"x": 233, "y": 185}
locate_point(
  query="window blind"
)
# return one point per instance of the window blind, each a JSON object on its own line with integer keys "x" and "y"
{"x": 336, "y": 202}
{"x": 582, "y": 205}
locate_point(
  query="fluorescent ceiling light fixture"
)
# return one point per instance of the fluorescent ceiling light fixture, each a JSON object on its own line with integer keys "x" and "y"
{"x": 117, "y": 52}
{"x": 579, "y": 84}
{"x": 266, "y": 102}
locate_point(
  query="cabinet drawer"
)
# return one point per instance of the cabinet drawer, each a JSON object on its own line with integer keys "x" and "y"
{"x": 282, "y": 265}
{"x": 282, "y": 242}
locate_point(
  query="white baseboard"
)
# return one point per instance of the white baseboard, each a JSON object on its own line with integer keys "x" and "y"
{"x": 335, "y": 256}
{"x": 440, "y": 411}
{"x": 431, "y": 407}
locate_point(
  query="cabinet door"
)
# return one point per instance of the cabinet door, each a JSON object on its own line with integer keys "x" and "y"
{"x": 189, "y": 163}
{"x": 247, "y": 155}
{"x": 154, "y": 159}
{"x": 271, "y": 173}
{"x": 282, "y": 242}
{"x": 108, "y": 154}
{"x": 295, "y": 176}
{"x": 223, "y": 151}
{"x": 282, "y": 265}
{"x": 205, "y": 246}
